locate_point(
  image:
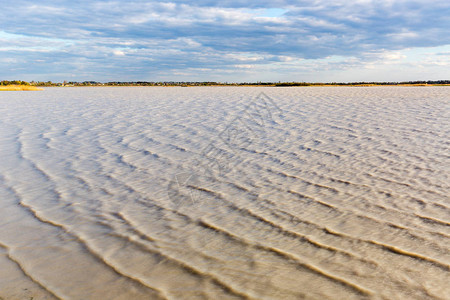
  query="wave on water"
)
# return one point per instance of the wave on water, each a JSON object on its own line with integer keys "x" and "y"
{"x": 217, "y": 193}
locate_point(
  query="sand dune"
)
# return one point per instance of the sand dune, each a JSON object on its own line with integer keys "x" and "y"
{"x": 224, "y": 193}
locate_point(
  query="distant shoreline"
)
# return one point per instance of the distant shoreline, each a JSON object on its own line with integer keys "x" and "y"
{"x": 258, "y": 85}
{"x": 35, "y": 88}
{"x": 33, "y": 85}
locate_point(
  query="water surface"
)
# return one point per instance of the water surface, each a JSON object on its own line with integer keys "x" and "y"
{"x": 221, "y": 192}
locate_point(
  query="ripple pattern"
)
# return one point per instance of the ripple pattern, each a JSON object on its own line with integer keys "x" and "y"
{"x": 206, "y": 193}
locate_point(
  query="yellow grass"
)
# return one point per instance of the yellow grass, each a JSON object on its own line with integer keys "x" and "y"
{"x": 19, "y": 88}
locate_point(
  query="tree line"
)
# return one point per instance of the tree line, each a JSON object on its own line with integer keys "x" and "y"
{"x": 212, "y": 83}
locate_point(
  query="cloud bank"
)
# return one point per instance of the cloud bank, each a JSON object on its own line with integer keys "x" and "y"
{"x": 225, "y": 40}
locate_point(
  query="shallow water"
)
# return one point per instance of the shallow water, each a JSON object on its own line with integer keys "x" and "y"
{"x": 223, "y": 192}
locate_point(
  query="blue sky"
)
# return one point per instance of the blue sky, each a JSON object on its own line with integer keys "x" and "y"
{"x": 234, "y": 41}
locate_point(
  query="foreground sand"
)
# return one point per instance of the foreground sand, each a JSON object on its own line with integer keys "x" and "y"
{"x": 19, "y": 88}
{"x": 148, "y": 193}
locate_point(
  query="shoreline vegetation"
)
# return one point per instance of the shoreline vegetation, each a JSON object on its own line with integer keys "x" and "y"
{"x": 18, "y": 85}
{"x": 19, "y": 88}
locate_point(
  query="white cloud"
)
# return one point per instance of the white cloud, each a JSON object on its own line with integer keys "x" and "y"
{"x": 224, "y": 37}
{"x": 119, "y": 53}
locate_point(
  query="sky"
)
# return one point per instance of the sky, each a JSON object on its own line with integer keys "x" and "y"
{"x": 226, "y": 41}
